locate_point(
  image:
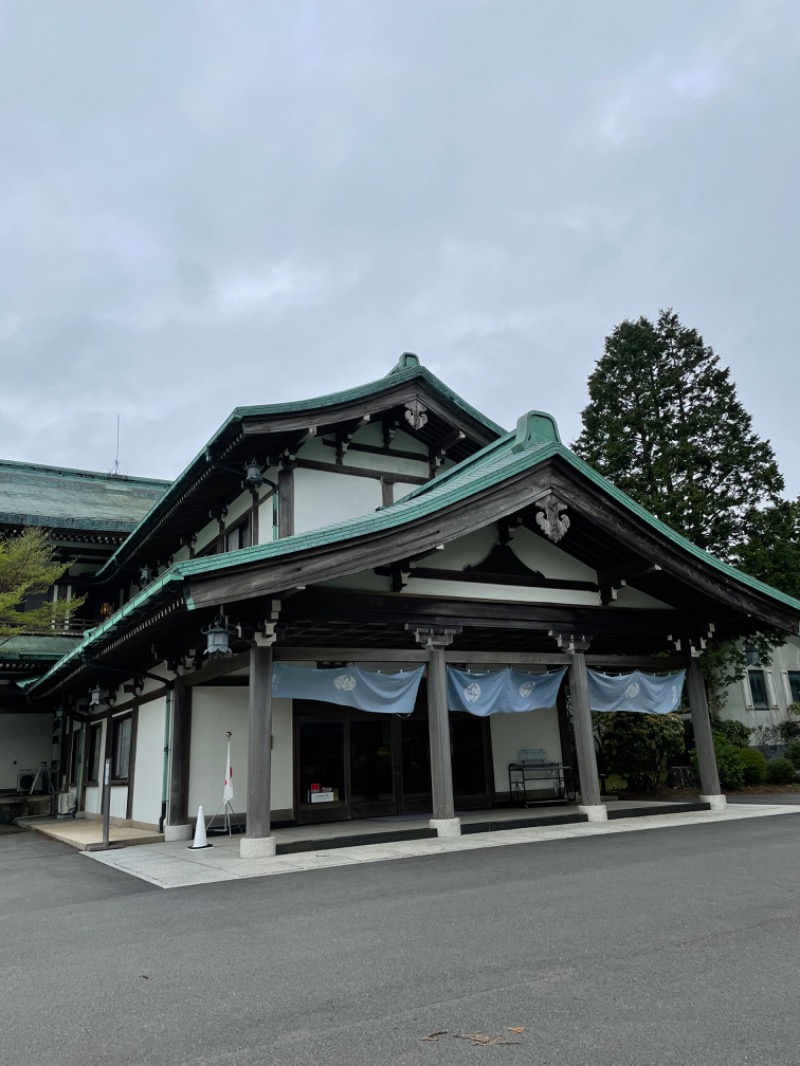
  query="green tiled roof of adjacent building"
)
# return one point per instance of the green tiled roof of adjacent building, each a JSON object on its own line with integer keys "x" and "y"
{"x": 60, "y": 498}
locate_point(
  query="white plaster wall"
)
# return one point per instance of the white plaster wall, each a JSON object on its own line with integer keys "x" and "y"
{"x": 25, "y": 741}
{"x": 215, "y": 710}
{"x": 511, "y": 732}
{"x": 119, "y": 801}
{"x": 149, "y": 766}
{"x": 320, "y": 499}
{"x": 92, "y": 805}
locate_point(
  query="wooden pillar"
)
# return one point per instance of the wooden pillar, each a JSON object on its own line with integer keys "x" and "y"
{"x": 177, "y": 826}
{"x": 703, "y": 739}
{"x": 591, "y": 800}
{"x": 439, "y": 728}
{"x": 257, "y": 842}
{"x": 444, "y": 820}
{"x": 286, "y": 501}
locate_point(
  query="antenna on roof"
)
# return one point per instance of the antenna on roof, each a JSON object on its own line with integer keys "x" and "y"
{"x": 115, "y": 471}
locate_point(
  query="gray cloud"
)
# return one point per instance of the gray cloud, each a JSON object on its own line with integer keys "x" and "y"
{"x": 207, "y": 204}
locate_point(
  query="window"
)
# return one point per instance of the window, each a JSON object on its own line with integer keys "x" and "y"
{"x": 794, "y": 684}
{"x": 121, "y": 747}
{"x": 758, "y": 689}
{"x": 238, "y": 537}
{"x": 93, "y": 763}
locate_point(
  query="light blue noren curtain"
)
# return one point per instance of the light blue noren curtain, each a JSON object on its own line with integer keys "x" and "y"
{"x": 636, "y": 692}
{"x": 506, "y": 691}
{"x": 349, "y": 686}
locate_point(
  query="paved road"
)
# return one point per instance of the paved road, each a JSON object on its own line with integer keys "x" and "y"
{"x": 671, "y": 946}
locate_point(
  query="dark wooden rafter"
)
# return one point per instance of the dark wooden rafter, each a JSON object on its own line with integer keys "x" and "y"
{"x": 345, "y": 434}
{"x": 612, "y": 578}
{"x": 437, "y": 452}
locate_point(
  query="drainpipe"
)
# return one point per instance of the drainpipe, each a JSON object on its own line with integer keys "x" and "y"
{"x": 165, "y": 773}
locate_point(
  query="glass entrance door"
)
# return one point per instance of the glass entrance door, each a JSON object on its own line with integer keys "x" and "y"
{"x": 350, "y": 764}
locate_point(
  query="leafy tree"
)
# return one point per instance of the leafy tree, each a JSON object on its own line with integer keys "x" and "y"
{"x": 665, "y": 425}
{"x": 636, "y": 746}
{"x": 27, "y": 570}
{"x": 772, "y": 552}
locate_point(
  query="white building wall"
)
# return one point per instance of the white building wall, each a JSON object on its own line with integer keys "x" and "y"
{"x": 149, "y": 764}
{"x": 321, "y": 499}
{"x": 738, "y": 704}
{"x": 216, "y": 710}
{"x": 512, "y": 732}
{"x": 27, "y": 740}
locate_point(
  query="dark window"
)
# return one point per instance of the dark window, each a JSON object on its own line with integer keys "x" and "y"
{"x": 794, "y": 685}
{"x": 758, "y": 688}
{"x": 93, "y": 763}
{"x": 238, "y": 537}
{"x": 120, "y": 747}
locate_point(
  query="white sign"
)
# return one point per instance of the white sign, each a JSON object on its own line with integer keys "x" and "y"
{"x": 321, "y": 797}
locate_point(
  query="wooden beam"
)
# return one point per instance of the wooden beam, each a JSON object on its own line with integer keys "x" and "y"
{"x": 357, "y": 471}
{"x": 217, "y": 668}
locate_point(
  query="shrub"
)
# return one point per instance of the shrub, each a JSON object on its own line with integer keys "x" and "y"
{"x": 780, "y": 772}
{"x": 788, "y": 731}
{"x": 635, "y": 746}
{"x": 729, "y": 762}
{"x": 736, "y": 732}
{"x": 792, "y": 753}
{"x": 754, "y": 765}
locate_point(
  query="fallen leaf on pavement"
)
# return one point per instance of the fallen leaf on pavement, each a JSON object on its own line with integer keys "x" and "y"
{"x": 436, "y": 1035}
{"x": 485, "y": 1038}
{"x": 517, "y": 1029}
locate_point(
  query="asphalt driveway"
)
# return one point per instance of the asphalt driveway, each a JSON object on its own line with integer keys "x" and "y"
{"x": 670, "y": 946}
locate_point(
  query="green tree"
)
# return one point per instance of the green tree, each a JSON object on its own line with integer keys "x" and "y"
{"x": 772, "y": 552}
{"x": 665, "y": 425}
{"x": 636, "y": 746}
{"x": 27, "y": 571}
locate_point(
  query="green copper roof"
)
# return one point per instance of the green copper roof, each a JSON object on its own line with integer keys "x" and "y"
{"x": 61, "y": 498}
{"x": 512, "y": 455}
{"x": 406, "y": 370}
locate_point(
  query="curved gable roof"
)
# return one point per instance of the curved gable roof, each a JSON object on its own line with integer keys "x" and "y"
{"x": 245, "y": 425}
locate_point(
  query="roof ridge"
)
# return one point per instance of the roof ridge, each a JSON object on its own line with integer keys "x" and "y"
{"x": 67, "y": 471}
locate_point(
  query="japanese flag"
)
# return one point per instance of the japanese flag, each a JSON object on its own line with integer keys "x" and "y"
{"x": 227, "y": 788}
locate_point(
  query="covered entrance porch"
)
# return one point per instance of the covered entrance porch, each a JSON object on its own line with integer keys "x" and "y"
{"x": 351, "y": 764}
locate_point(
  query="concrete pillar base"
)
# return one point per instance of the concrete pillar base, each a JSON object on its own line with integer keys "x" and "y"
{"x": 446, "y": 827}
{"x": 595, "y": 812}
{"x": 256, "y": 847}
{"x": 177, "y": 832}
{"x": 716, "y": 803}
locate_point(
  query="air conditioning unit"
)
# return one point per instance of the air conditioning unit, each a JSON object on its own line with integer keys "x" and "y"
{"x": 66, "y": 803}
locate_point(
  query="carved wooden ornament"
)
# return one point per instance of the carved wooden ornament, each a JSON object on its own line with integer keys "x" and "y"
{"x": 550, "y": 518}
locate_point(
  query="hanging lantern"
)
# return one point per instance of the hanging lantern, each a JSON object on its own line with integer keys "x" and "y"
{"x": 217, "y": 639}
{"x": 253, "y": 473}
{"x": 146, "y": 575}
{"x": 98, "y": 696}
{"x": 106, "y": 610}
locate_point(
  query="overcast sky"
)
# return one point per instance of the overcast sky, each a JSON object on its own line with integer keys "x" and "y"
{"x": 205, "y": 205}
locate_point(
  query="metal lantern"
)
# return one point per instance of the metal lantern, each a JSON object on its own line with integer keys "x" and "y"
{"x": 98, "y": 696}
{"x": 217, "y": 639}
{"x": 106, "y": 610}
{"x": 146, "y": 575}
{"x": 253, "y": 473}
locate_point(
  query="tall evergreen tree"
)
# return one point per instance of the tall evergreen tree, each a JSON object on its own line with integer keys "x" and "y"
{"x": 664, "y": 424}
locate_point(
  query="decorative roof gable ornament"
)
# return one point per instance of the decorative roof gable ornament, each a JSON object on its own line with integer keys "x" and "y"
{"x": 550, "y": 518}
{"x": 416, "y": 414}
